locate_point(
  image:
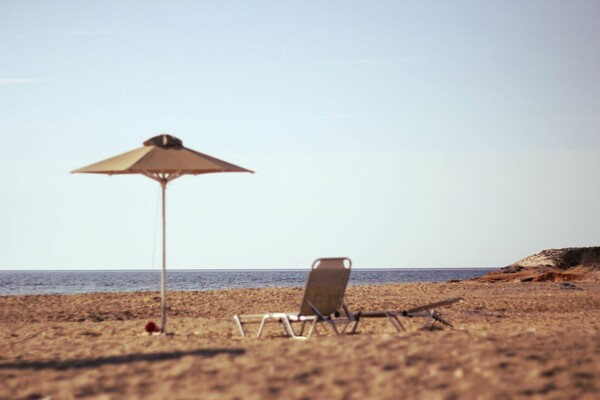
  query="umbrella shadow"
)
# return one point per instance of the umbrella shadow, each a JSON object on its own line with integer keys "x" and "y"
{"x": 60, "y": 365}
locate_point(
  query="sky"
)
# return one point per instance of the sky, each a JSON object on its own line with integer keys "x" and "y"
{"x": 396, "y": 133}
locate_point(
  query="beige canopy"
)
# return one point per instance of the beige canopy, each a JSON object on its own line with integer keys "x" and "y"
{"x": 163, "y": 158}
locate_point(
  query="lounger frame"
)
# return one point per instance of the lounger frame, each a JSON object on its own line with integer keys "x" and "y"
{"x": 323, "y": 303}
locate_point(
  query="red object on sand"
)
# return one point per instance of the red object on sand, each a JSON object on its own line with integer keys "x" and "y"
{"x": 151, "y": 327}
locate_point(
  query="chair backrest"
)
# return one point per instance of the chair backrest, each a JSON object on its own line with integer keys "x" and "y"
{"x": 326, "y": 286}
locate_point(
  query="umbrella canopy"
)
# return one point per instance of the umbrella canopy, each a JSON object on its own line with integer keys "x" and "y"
{"x": 163, "y": 158}
{"x": 162, "y": 155}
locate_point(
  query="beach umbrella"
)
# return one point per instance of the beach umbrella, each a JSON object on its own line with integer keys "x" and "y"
{"x": 162, "y": 158}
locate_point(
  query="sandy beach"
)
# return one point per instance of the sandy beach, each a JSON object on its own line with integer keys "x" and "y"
{"x": 510, "y": 340}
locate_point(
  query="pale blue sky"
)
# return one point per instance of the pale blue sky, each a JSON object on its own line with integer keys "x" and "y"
{"x": 397, "y": 133}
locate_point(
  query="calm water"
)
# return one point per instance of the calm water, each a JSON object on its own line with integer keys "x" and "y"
{"x": 66, "y": 282}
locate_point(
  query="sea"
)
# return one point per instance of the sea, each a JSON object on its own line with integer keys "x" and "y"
{"x": 88, "y": 281}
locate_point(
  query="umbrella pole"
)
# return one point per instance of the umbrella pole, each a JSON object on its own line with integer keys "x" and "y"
{"x": 163, "y": 275}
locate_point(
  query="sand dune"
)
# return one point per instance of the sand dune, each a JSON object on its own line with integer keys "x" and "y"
{"x": 511, "y": 340}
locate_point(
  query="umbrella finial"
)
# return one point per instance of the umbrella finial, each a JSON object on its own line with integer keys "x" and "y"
{"x": 164, "y": 140}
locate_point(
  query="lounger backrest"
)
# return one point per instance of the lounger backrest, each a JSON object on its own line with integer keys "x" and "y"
{"x": 326, "y": 286}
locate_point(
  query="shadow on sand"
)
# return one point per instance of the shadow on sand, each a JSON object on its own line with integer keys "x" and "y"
{"x": 116, "y": 360}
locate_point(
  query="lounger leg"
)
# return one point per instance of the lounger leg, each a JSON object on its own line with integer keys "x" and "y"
{"x": 335, "y": 329}
{"x": 395, "y": 322}
{"x": 262, "y": 325}
{"x": 355, "y": 327}
{"x": 313, "y": 327}
{"x": 290, "y": 329}
{"x": 349, "y": 316}
{"x": 238, "y": 322}
{"x": 428, "y": 323}
{"x": 400, "y": 325}
{"x": 283, "y": 328}
{"x": 346, "y": 325}
{"x": 438, "y": 317}
{"x": 302, "y": 328}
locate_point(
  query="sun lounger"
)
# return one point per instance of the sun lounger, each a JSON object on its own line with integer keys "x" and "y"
{"x": 428, "y": 311}
{"x": 323, "y": 302}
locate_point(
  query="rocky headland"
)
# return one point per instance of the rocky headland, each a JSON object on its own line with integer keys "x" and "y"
{"x": 554, "y": 265}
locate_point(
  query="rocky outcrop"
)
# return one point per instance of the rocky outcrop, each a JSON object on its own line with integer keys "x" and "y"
{"x": 556, "y": 265}
{"x": 562, "y": 258}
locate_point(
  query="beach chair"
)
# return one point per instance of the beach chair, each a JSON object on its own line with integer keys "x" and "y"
{"x": 428, "y": 311}
{"x": 323, "y": 303}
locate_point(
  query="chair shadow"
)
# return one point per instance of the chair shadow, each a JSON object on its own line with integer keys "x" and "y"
{"x": 60, "y": 365}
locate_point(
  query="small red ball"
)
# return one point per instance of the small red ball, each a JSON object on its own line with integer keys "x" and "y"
{"x": 151, "y": 327}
